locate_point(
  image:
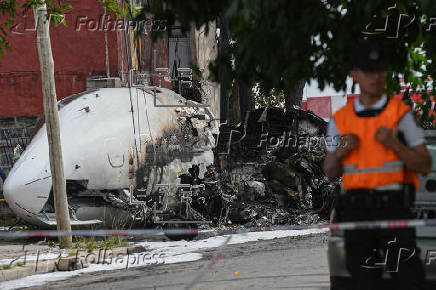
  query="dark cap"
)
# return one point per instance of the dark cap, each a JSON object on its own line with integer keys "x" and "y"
{"x": 368, "y": 57}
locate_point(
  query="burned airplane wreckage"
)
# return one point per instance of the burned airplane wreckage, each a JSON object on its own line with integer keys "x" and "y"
{"x": 273, "y": 165}
{"x": 123, "y": 151}
{"x": 147, "y": 156}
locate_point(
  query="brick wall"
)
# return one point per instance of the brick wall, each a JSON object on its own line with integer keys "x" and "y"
{"x": 78, "y": 52}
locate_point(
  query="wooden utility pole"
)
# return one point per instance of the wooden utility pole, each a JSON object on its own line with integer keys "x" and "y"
{"x": 52, "y": 123}
{"x": 105, "y": 28}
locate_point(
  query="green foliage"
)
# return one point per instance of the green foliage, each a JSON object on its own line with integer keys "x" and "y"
{"x": 6, "y": 267}
{"x": 9, "y": 9}
{"x": 51, "y": 244}
{"x": 55, "y": 13}
{"x": 112, "y": 242}
{"x": 424, "y": 110}
{"x": 120, "y": 10}
{"x": 91, "y": 244}
{"x": 186, "y": 12}
{"x": 72, "y": 253}
{"x": 278, "y": 43}
{"x": 10, "y": 266}
{"x": 273, "y": 98}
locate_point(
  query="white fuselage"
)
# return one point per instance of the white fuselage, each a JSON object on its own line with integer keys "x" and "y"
{"x": 104, "y": 143}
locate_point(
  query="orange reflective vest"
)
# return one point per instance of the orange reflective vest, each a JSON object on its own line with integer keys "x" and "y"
{"x": 371, "y": 164}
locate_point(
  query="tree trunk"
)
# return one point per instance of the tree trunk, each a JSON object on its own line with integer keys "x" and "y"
{"x": 294, "y": 96}
{"x": 108, "y": 74}
{"x": 52, "y": 123}
{"x": 246, "y": 99}
{"x": 234, "y": 106}
{"x": 224, "y": 40}
{"x": 239, "y": 102}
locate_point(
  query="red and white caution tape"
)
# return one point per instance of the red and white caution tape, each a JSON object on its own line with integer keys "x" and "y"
{"x": 381, "y": 224}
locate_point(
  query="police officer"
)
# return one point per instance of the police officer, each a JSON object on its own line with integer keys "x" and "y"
{"x": 381, "y": 151}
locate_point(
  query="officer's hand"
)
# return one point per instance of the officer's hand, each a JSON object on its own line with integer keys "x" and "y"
{"x": 348, "y": 143}
{"x": 386, "y": 136}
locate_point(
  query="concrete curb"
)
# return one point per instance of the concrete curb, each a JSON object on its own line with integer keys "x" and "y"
{"x": 18, "y": 272}
{"x": 64, "y": 264}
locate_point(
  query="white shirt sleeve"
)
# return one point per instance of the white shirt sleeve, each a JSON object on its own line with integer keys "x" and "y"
{"x": 333, "y": 137}
{"x": 413, "y": 133}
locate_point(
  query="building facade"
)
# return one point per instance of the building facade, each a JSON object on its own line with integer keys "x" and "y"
{"x": 82, "y": 48}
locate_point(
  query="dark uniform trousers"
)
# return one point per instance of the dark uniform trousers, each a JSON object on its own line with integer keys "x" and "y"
{"x": 369, "y": 253}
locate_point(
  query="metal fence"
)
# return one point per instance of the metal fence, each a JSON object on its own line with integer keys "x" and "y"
{"x": 10, "y": 138}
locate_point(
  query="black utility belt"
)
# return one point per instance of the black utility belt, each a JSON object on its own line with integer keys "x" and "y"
{"x": 371, "y": 198}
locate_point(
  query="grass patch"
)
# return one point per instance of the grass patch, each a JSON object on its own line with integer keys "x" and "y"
{"x": 51, "y": 244}
{"x": 6, "y": 267}
{"x": 113, "y": 242}
{"x": 79, "y": 242}
{"x": 72, "y": 253}
{"x": 92, "y": 244}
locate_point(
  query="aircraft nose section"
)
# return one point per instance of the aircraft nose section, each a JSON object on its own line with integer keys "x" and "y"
{"x": 9, "y": 188}
{"x": 27, "y": 186}
{"x": 28, "y": 196}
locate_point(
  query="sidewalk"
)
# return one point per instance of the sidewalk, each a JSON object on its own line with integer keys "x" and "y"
{"x": 21, "y": 260}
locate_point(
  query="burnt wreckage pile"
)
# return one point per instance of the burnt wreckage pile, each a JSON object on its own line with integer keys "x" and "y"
{"x": 178, "y": 169}
{"x": 265, "y": 171}
{"x": 268, "y": 171}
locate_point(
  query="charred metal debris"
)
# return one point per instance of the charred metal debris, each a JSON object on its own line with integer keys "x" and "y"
{"x": 264, "y": 171}
{"x": 267, "y": 171}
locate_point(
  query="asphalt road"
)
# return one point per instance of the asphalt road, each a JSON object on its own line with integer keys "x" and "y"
{"x": 286, "y": 263}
